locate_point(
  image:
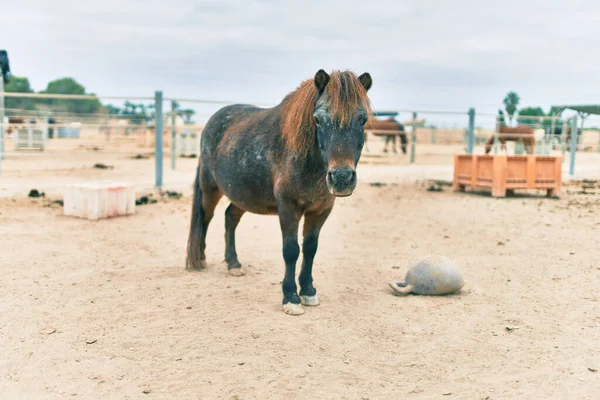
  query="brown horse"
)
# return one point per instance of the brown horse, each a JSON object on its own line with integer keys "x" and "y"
{"x": 389, "y": 124}
{"x": 513, "y": 134}
{"x": 13, "y": 123}
{"x": 291, "y": 160}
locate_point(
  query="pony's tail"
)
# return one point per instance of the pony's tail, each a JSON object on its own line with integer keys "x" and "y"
{"x": 194, "y": 249}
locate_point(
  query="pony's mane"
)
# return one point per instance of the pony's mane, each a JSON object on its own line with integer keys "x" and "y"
{"x": 344, "y": 93}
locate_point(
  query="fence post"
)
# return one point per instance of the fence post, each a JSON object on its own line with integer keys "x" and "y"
{"x": 1, "y": 119}
{"x": 173, "y": 134}
{"x": 158, "y": 137}
{"x": 563, "y": 139}
{"x": 496, "y": 131}
{"x": 573, "y": 144}
{"x": 471, "y": 137}
{"x": 413, "y": 138}
{"x": 433, "y": 138}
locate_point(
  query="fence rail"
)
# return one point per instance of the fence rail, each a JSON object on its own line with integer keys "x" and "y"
{"x": 67, "y": 129}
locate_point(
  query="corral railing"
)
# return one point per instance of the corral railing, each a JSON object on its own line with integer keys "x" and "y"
{"x": 51, "y": 128}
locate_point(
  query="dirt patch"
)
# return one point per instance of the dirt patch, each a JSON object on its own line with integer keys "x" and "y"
{"x": 92, "y": 309}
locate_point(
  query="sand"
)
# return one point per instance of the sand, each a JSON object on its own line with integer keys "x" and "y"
{"x": 105, "y": 309}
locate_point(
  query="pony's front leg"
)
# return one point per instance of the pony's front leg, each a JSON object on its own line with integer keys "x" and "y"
{"x": 289, "y": 218}
{"x": 312, "y": 227}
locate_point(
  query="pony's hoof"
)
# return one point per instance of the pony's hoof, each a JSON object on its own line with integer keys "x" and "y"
{"x": 237, "y": 271}
{"x": 310, "y": 300}
{"x": 293, "y": 309}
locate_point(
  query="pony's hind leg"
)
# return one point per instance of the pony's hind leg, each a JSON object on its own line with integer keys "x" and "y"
{"x": 233, "y": 214}
{"x": 312, "y": 227}
{"x": 206, "y": 198}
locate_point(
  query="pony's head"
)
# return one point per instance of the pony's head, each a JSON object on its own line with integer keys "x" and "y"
{"x": 328, "y": 115}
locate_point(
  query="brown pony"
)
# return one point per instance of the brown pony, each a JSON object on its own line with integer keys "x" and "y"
{"x": 392, "y": 125}
{"x": 291, "y": 160}
{"x": 15, "y": 121}
{"x": 513, "y": 134}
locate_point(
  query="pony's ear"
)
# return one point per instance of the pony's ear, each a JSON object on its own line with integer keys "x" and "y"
{"x": 366, "y": 80}
{"x": 321, "y": 79}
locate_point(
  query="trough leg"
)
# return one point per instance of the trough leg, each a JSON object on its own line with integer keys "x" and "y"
{"x": 289, "y": 218}
{"x": 499, "y": 176}
{"x": 312, "y": 227}
{"x": 233, "y": 214}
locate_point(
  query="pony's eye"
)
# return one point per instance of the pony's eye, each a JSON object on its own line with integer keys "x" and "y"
{"x": 364, "y": 121}
{"x": 316, "y": 120}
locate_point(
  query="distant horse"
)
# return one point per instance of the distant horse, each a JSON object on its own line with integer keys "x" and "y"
{"x": 291, "y": 160}
{"x": 513, "y": 134}
{"x": 389, "y": 124}
{"x": 14, "y": 121}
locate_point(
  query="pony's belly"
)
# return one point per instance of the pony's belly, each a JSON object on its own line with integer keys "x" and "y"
{"x": 248, "y": 193}
{"x": 252, "y": 205}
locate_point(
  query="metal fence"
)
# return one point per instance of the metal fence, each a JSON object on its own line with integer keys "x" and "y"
{"x": 61, "y": 127}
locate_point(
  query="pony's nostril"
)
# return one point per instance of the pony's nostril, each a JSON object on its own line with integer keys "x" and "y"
{"x": 352, "y": 176}
{"x": 330, "y": 176}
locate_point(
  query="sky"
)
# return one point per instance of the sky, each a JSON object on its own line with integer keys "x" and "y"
{"x": 422, "y": 54}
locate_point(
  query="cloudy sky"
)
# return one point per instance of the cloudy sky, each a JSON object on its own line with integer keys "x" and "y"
{"x": 422, "y": 54}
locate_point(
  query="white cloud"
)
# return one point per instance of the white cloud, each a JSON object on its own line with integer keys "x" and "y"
{"x": 421, "y": 53}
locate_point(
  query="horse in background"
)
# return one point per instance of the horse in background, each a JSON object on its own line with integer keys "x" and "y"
{"x": 389, "y": 124}
{"x": 513, "y": 134}
{"x": 292, "y": 160}
{"x": 14, "y": 123}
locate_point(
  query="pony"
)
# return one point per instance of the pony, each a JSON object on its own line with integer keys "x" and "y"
{"x": 507, "y": 133}
{"x": 389, "y": 124}
{"x": 292, "y": 160}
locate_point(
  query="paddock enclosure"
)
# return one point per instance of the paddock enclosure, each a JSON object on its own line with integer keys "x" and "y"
{"x": 105, "y": 309}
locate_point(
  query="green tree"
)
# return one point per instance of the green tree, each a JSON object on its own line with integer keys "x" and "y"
{"x": 187, "y": 115}
{"x": 71, "y": 86}
{"x": 530, "y": 116}
{"x": 15, "y": 105}
{"x": 136, "y": 113}
{"x": 112, "y": 110}
{"x": 554, "y": 112}
{"x": 511, "y": 104}
{"x": 501, "y": 118}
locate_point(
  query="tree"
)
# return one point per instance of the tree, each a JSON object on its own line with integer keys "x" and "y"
{"x": 112, "y": 110}
{"x": 135, "y": 113}
{"x": 71, "y": 86}
{"x": 187, "y": 115}
{"x": 511, "y": 104}
{"x": 15, "y": 105}
{"x": 528, "y": 116}
{"x": 501, "y": 119}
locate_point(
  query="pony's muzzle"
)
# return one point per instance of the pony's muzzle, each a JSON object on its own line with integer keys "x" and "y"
{"x": 341, "y": 181}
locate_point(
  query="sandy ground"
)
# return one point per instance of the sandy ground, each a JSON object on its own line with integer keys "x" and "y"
{"x": 105, "y": 309}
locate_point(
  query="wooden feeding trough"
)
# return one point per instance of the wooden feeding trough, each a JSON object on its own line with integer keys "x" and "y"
{"x": 502, "y": 173}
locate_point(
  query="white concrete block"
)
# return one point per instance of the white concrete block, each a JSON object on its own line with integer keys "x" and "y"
{"x": 96, "y": 200}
